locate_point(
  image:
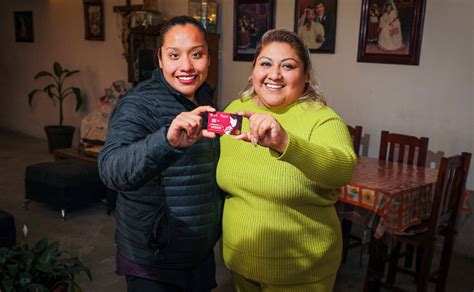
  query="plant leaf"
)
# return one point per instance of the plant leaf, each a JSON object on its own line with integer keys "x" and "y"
{"x": 58, "y": 69}
{"x": 25, "y": 279}
{"x": 49, "y": 254}
{"x": 31, "y": 95}
{"x": 37, "y": 288}
{"x": 43, "y": 73}
{"x": 77, "y": 93}
{"x": 48, "y": 90}
{"x": 40, "y": 246}
{"x": 69, "y": 73}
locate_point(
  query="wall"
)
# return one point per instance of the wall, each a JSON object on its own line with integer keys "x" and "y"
{"x": 58, "y": 36}
{"x": 434, "y": 99}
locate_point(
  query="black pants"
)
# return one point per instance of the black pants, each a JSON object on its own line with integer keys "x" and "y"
{"x": 136, "y": 284}
{"x": 201, "y": 278}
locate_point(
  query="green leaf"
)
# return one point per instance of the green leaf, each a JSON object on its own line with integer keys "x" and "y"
{"x": 77, "y": 93}
{"x": 7, "y": 284}
{"x": 48, "y": 90}
{"x": 50, "y": 253}
{"x": 35, "y": 287}
{"x": 58, "y": 69}
{"x": 72, "y": 72}
{"x": 40, "y": 246}
{"x": 43, "y": 73}
{"x": 31, "y": 95}
{"x": 25, "y": 279}
{"x": 75, "y": 287}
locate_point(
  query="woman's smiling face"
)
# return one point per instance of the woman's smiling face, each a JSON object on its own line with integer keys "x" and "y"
{"x": 278, "y": 76}
{"x": 184, "y": 59}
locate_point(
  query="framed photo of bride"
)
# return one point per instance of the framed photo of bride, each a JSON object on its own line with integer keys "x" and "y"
{"x": 391, "y": 31}
{"x": 315, "y": 23}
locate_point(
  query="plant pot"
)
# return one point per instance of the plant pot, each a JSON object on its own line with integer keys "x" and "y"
{"x": 59, "y": 137}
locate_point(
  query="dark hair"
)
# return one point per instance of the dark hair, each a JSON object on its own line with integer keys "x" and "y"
{"x": 180, "y": 20}
{"x": 316, "y": 3}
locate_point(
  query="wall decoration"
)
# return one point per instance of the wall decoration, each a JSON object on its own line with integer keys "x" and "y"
{"x": 391, "y": 31}
{"x": 94, "y": 20}
{"x": 205, "y": 11}
{"x": 23, "y": 26}
{"x": 315, "y": 22}
{"x": 252, "y": 18}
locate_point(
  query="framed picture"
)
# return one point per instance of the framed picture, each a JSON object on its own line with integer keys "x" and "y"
{"x": 315, "y": 23}
{"x": 23, "y": 26}
{"x": 94, "y": 20}
{"x": 391, "y": 31}
{"x": 252, "y": 18}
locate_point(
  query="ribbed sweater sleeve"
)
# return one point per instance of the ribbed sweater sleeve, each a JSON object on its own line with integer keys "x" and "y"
{"x": 327, "y": 157}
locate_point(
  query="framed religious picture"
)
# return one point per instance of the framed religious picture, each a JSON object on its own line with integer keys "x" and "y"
{"x": 315, "y": 23}
{"x": 252, "y": 18}
{"x": 23, "y": 26}
{"x": 94, "y": 20}
{"x": 391, "y": 31}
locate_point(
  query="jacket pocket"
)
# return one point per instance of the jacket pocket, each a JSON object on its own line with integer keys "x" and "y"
{"x": 160, "y": 233}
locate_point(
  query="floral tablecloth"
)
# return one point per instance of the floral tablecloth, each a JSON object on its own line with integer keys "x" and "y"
{"x": 400, "y": 194}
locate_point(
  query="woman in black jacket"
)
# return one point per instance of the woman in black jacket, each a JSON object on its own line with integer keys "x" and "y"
{"x": 162, "y": 164}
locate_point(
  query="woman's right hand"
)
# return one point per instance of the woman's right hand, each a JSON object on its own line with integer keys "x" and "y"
{"x": 185, "y": 129}
{"x": 264, "y": 130}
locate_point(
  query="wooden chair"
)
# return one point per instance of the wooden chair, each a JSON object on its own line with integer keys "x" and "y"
{"x": 396, "y": 145}
{"x": 356, "y": 134}
{"x": 393, "y": 147}
{"x": 447, "y": 199}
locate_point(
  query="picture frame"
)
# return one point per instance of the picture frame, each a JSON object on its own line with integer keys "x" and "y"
{"x": 252, "y": 18}
{"x": 391, "y": 37}
{"x": 315, "y": 22}
{"x": 23, "y": 21}
{"x": 94, "y": 20}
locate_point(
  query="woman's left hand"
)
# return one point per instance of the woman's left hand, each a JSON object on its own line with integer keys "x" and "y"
{"x": 265, "y": 131}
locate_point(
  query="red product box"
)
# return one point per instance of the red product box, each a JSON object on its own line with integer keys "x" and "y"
{"x": 224, "y": 123}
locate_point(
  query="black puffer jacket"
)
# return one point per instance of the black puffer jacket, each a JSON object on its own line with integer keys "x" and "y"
{"x": 168, "y": 207}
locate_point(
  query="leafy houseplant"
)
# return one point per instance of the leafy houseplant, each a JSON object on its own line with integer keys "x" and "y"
{"x": 59, "y": 136}
{"x": 39, "y": 269}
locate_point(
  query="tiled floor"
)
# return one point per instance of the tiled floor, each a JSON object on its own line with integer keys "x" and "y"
{"x": 88, "y": 233}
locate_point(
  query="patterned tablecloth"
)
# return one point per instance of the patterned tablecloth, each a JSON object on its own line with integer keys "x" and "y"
{"x": 400, "y": 194}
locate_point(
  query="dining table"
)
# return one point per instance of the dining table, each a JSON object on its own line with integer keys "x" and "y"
{"x": 389, "y": 197}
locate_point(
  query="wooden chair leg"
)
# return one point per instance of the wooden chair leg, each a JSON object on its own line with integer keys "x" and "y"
{"x": 419, "y": 257}
{"x": 393, "y": 264}
{"x": 346, "y": 236}
{"x": 410, "y": 250}
{"x": 425, "y": 267}
{"x": 445, "y": 261}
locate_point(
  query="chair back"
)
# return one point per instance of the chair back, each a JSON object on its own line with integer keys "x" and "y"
{"x": 395, "y": 146}
{"x": 449, "y": 191}
{"x": 356, "y": 135}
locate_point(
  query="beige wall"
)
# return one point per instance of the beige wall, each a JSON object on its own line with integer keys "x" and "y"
{"x": 59, "y": 36}
{"x": 434, "y": 99}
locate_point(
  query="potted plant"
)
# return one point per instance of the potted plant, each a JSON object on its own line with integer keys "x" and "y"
{"x": 42, "y": 268}
{"x": 59, "y": 136}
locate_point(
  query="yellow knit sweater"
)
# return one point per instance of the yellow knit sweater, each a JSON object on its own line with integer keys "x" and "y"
{"x": 279, "y": 222}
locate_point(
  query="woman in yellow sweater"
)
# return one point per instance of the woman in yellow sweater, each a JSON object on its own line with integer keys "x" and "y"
{"x": 280, "y": 228}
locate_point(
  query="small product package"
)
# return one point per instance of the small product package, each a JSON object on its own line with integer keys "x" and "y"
{"x": 224, "y": 123}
